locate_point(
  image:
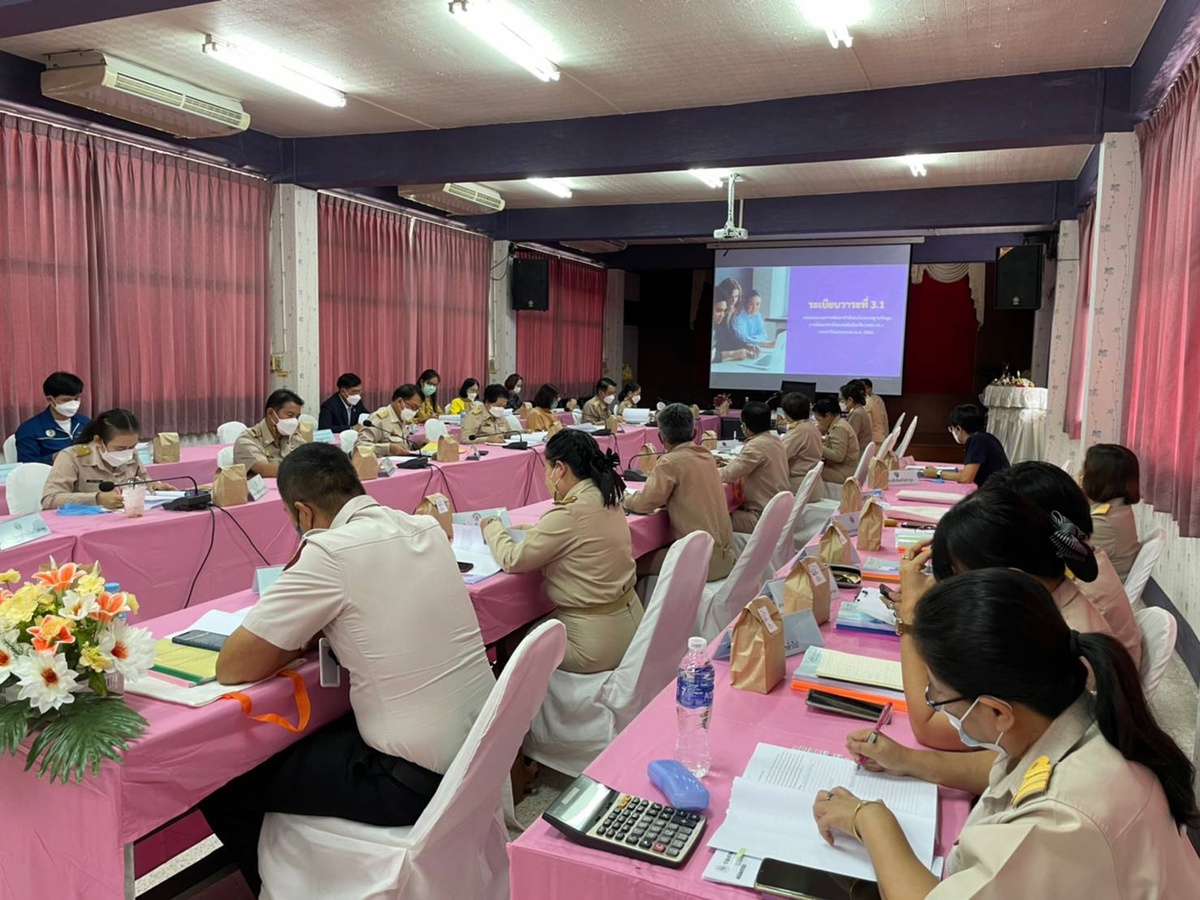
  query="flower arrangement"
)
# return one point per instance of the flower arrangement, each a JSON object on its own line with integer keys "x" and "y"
{"x": 62, "y": 635}
{"x": 722, "y": 400}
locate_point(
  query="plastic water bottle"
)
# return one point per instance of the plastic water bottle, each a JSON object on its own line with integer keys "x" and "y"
{"x": 115, "y": 681}
{"x": 693, "y": 706}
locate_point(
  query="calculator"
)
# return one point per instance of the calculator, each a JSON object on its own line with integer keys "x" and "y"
{"x": 595, "y": 815}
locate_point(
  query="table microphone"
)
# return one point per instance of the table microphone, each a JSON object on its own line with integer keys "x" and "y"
{"x": 632, "y": 474}
{"x": 194, "y": 500}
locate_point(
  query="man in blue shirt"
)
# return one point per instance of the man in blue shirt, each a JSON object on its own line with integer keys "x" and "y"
{"x": 55, "y": 427}
{"x": 984, "y": 455}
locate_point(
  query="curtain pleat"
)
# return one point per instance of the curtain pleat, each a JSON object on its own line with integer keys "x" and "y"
{"x": 565, "y": 345}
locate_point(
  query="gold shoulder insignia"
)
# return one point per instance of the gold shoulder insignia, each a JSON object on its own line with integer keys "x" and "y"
{"x": 383, "y": 412}
{"x": 82, "y": 450}
{"x": 1036, "y": 781}
{"x": 1102, "y": 509}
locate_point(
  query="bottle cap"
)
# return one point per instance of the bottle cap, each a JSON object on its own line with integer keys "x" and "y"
{"x": 112, "y": 587}
{"x": 697, "y": 643}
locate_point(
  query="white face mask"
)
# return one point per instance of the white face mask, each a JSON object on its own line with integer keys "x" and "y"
{"x": 969, "y": 741}
{"x": 67, "y": 409}
{"x": 287, "y": 427}
{"x": 498, "y": 412}
{"x": 354, "y": 399}
{"x": 471, "y": 395}
{"x": 554, "y": 404}
{"x": 117, "y": 458}
{"x": 842, "y": 404}
{"x": 635, "y": 399}
{"x": 407, "y": 415}
{"x": 517, "y": 389}
{"x": 610, "y": 399}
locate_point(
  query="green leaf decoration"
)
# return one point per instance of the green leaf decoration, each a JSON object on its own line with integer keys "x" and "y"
{"x": 82, "y": 735}
{"x": 14, "y": 725}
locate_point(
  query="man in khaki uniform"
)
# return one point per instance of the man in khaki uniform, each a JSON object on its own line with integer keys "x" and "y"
{"x": 262, "y": 448}
{"x": 597, "y": 410}
{"x": 839, "y": 444}
{"x": 802, "y": 441}
{"x": 686, "y": 481}
{"x": 762, "y": 467}
{"x": 388, "y": 428}
{"x": 488, "y": 423}
{"x": 878, "y": 412}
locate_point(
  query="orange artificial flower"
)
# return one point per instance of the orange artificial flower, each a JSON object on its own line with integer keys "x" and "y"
{"x": 111, "y": 606}
{"x": 59, "y": 579}
{"x": 50, "y": 633}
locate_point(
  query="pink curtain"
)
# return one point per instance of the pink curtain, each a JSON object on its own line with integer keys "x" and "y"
{"x": 180, "y": 314}
{"x": 1073, "y": 416}
{"x": 1163, "y": 366}
{"x": 565, "y": 345}
{"x": 46, "y": 262}
{"x": 397, "y": 296}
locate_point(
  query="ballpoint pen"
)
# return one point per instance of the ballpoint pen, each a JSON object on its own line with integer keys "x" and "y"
{"x": 885, "y": 716}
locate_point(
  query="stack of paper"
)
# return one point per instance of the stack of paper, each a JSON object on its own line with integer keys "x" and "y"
{"x": 914, "y": 513}
{"x": 867, "y": 614}
{"x": 809, "y": 676}
{"x": 856, "y": 669}
{"x": 875, "y": 568}
{"x": 930, "y": 496}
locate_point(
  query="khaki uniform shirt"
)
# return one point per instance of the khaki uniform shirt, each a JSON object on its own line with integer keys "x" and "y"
{"x": 540, "y": 420}
{"x": 803, "y": 446}
{"x": 879, "y": 418}
{"x": 427, "y": 410}
{"x": 1100, "y": 828}
{"x": 479, "y": 425}
{"x": 1115, "y": 532}
{"x": 860, "y": 421}
{"x": 762, "y": 467}
{"x": 1077, "y": 610}
{"x": 76, "y": 473}
{"x": 687, "y": 482}
{"x": 1107, "y": 594}
{"x": 841, "y": 451}
{"x": 596, "y": 411}
{"x": 384, "y": 428}
{"x": 255, "y": 445}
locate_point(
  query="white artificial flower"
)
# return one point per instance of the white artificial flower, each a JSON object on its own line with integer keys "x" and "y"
{"x": 131, "y": 649}
{"x": 10, "y": 652}
{"x": 46, "y": 680}
{"x": 77, "y": 605}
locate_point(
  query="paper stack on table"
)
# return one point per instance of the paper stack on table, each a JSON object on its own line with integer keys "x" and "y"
{"x": 930, "y": 496}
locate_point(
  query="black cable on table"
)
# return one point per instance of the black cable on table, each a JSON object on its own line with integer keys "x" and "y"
{"x": 234, "y": 520}
{"x": 212, "y": 539}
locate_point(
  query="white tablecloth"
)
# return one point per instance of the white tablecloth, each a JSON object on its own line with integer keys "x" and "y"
{"x": 1017, "y": 417}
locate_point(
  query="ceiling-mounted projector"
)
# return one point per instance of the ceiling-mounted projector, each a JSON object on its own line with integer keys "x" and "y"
{"x": 731, "y": 232}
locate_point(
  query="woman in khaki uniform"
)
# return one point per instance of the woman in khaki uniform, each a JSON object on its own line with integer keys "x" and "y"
{"x": 852, "y": 398}
{"x": 1080, "y": 796}
{"x": 542, "y": 416}
{"x": 1112, "y": 481}
{"x": 583, "y": 548}
{"x": 839, "y": 443}
{"x": 106, "y": 451}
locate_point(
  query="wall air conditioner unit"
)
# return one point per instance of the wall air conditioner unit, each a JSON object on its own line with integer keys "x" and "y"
{"x": 467, "y": 199}
{"x": 596, "y": 246}
{"x": 100, "y": 82}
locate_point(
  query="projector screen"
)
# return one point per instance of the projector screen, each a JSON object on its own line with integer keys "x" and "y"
{"x": 821, "y": 314}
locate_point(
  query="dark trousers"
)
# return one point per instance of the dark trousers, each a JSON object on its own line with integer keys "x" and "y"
{"x": 329, "y": 773}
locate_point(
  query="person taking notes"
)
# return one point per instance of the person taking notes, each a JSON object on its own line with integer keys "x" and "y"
{"x": 262, "y": 448}
{"x": 106, "y": 451}
{"x": 802, "y": 442}
{"x": 545, "y": 402}
{"x": 489, "y": 424}
{"x": 389, "y": 427}
{"x": 629, "y": 397}
{"x": 984, "y": 456}
{"x": 852, "y": 398}
{"x": 597, "y": 410}
{"x": 761, "y": 466}
{"x": 57, "y": 426}
{"x": 345, "y": 408}
{"x": 839, "y": 443}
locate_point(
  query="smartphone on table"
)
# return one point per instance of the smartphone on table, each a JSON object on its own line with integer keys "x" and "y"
{"x": 783, "y": 879}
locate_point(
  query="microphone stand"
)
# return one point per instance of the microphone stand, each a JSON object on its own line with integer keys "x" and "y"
{"x": 194, "y": 500}
{"x": 632, "y": 474}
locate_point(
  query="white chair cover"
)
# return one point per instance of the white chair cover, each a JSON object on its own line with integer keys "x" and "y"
{"x": 902, "y": 450}
{"x": 458, "y": 847}
{"x": 311, "y": 420}
{"x": 349, "y": 438}
{"x": 434, "y": 429}
{"x": 513, "y": 424}
{"x": 224, "y": 457}
{"x": 784, "y": 550}
{"x": 889, "y": 442}
{"x": 229, "y": 432}
{"x": 1159, "y": 629}
{"x": 577, "y": 415}
{"x": 723, "y": 599}
{"x": 868, "y": 454}
{"x": 10, "y": 449}
{"x": 1068, "y": 466}
{"x": 582, "y": 714}
{"x": 899, "y": 422}
{"x": 1143, "y": 565}
{"x": 25, "y": 485}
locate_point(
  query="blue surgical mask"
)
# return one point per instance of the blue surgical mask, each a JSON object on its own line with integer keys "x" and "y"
{"x": 969, "y": 741}
{"x": 429, "y": 389}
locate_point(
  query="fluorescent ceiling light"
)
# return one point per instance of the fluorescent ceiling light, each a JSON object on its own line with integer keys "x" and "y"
{"x": 916, "y": 165}
{"x": 513, "y": 34}
{"x": 555, "y": 186}
{"x": 836, "y": 17}
{"x": 714, "y": 178}
{"x": 275, "y": 68}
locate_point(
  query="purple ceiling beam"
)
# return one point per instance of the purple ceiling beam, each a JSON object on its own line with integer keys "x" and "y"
{"x": 1170, "y": 46}
{"x": 32, "y": 16}
{"x": 994, "y": 113}
{"x": 962, "y": 207}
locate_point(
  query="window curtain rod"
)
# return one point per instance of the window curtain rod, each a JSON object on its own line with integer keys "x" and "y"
{"x": 401, "y": 211}
{"x": 561, "y": 254}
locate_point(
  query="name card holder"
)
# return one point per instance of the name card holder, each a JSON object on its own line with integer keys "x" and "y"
{"x": 6, "y": 469}
{"x": 903, "y": 476}
{"x": 256, "y": 486}
{"x": 264, "y": 577}
{"x": 22, "y": 530}
{"x": 323, "y": 436}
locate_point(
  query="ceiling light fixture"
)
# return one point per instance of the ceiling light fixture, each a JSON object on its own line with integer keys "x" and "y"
{"x": 916, "y": 165}
{"x": 714, "y": 178}
{"x": 510, "y": 33}
{"x": 836, "y": 17}
{"x": 555, "y": 186}
{"x": 275, "y": 68}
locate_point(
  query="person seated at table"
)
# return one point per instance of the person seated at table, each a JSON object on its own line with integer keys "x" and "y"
{"x": 467, "y": 395}
{"x": 545, "y": 406}
{"x": 1081, "y": 795}
{"x": 761, "y": 466}
{"x": 106, "y": 450}
{"x": 995, "y": 528}
{"x": 428, "y": 383}
{"x": 344, "y": 409}
{"x": 686, "y": 482}
{"x": 727, "y": 346}
{"x": 984, "y": 455}
{"x": 748, "y": 322}
{"x": 583, "y": 548}
{"x": 802, "y": 441}
{"x": 839, "y": 443}
{"x": 57, "y": 426}
{"x": 1054, "y": 490}
{"x": 852, "y": 399}
{"x": 514, "y": 384}
{"x": 597, "y": 410}
{"x": 390, "y": 427}
{"x": 262, "y": 448}
{"x": 629, "y": 397}
{"x": 489, "y": 425}
{"x": 418, "y": 671}
{"x": 877, "y": 409}
{"x": 1111, "y": 480}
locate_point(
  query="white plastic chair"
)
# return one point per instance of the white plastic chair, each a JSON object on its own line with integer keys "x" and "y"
{"x": 1143, "y": 565}
{"x": 1159, "y": 629}
{"x": 434, "y": 429}
{"x": 224, "y": 457}
{"x": 458, "y": 846}
{"x": 724, "y": 598}
{"x": 582, "y": 714}
{"x": 349, "y": 438}
{"x": 230, "y": 432}
{"x": 902, "y": 450}
{"x": 10, "y": 449}
{"x": 868, "y": 454}
{"x": 25, "y": 485}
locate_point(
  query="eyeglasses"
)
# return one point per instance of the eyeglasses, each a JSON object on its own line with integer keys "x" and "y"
{"x": 938, "y": 704}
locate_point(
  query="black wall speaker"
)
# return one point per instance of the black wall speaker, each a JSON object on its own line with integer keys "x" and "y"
{"x": 1019, "y": 277}
{"x": 531, "y": 284}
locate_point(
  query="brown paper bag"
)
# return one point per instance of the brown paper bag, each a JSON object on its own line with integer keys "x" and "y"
{"x": 877, "y": 475}
{"x": 893, "y": 461}
{"x": 229, "y": 486}
{"x": 448, "y": 449}
{"x": 756, "y": 652}
{"x": 166, "y": 447}
{"x": 835, "y": 548}
{"x": 870, "y": 527}
{"x": 306, "y": 429}
{"x": 646, "y": 459}
{"x": 613, "y": 424}
{"x": 809, "y": 585}
{"x": 851, "y": 497}
{"x": 365, "y": 463}
{"x": 708, "y": 440}
{"x": 438, "y": 506}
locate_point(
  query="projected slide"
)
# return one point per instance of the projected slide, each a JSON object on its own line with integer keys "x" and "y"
{"x": 810, "y": 314}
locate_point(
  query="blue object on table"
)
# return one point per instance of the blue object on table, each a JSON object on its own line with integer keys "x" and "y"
{"x": 678, "y": 785}
{"x": 81, "y": 509}
{"x": 112, "y": 587}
